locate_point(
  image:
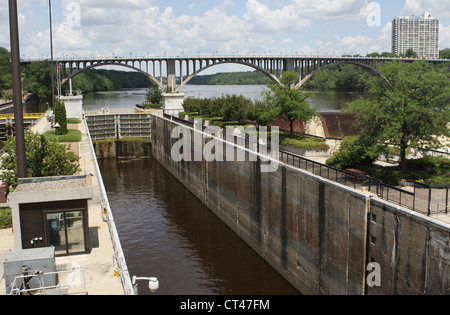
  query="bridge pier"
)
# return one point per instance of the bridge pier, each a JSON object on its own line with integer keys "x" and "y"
{"x": 173, "y": 103}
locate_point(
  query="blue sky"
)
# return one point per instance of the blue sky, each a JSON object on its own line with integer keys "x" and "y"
{"x": 85, "y": 28}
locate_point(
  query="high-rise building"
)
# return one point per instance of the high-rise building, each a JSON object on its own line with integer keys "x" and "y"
{"x": 419, "y": 33}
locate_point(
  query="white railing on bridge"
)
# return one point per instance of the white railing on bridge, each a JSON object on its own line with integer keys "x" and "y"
{"x": 233, "y": 56}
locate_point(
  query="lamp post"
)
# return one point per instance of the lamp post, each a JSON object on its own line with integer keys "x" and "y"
{"x": 17, "y": 91}
{"x": 153, "y": 283}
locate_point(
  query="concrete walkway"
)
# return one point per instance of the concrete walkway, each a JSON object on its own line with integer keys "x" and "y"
{"x": 98, "y": 264}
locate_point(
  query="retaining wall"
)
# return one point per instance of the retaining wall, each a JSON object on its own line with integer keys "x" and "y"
{"x": 314, "y": 232}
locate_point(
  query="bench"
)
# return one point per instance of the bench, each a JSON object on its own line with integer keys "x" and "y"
{"x": 358, "y": 174}
{"x": 393, "y": 160}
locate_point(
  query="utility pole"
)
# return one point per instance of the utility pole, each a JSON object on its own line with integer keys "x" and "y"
{"x": 51, "y": 53}
{"x": 17, "y": 91}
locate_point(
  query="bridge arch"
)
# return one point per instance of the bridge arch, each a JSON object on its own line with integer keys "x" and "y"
{"x": 96, "y": 65}
{"x": 372, "y": 70}
{"x": 273, "y": 77}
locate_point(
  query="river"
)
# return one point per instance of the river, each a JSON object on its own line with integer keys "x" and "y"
{"x": 166, "y": 232}
{"x": 127, "y": 99}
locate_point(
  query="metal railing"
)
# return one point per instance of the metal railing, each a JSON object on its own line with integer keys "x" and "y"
{"x": 25, "y": 116}
{"x": 74, "y": 278}
{"x": 425, "y": 199}
{"x": 119, "y": 261}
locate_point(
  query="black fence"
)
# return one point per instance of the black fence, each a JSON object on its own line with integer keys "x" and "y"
{"x": 425, "y": 199}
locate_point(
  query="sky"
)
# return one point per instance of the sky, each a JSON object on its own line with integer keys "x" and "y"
{"x": 100, "y": 28}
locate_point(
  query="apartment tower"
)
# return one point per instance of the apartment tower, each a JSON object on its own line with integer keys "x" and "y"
{"x": 419, "y": 33}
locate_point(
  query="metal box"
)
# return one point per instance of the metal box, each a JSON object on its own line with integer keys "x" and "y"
{"x": 34, "y": 259}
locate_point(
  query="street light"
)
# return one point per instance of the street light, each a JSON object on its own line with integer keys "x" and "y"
{"x": 51, "y": 52}
{"x": 57, "y": 126}
{"x": 153, "y": 283}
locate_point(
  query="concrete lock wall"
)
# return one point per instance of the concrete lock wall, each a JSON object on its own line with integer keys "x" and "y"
{"x": 412, "y": 250}
{"x": 314, "y": 232}
{"x": 105, "y": 149}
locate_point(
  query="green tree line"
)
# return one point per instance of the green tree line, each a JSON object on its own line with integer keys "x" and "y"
{"x": 37, "y": 79}
{"x": 96, "y": 80}
{"x": 232, "y": 78}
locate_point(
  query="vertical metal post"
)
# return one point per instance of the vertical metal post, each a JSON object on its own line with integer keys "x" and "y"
{"x": 17, "y": 91}
{"x": 429, "y": 200}
{"x": 51, "y": 53}
{"x": 446, "y": 201}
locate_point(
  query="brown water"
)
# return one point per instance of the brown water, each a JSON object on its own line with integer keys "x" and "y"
{"x": 166, "y": 232}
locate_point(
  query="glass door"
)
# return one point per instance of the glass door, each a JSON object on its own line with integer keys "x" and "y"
{"x": 75, "y": 232}
{"x": 56, "y": 232}
{"x": 65, "y": 231}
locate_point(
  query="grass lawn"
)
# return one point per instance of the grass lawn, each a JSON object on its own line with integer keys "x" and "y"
{"x": 305, "y": 143}
{"x": 5, "y": 218}
{"x": 73, "y": 136}
{"x": 73, "y": 121}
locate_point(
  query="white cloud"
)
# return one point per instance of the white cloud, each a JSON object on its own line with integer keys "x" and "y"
{"x": 261, "y": 17}
{"x": 332, "y": 9}
{"x": 144, "y": 27}
{"x": 436, "y": 8}
{"x": 444, "y": 37}
{"x": 360, "y": 44}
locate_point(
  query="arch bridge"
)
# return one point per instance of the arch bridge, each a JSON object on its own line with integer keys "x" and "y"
{"x": 172, "y": 73}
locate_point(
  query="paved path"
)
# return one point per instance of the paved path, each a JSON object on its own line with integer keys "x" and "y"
{"x": 98, "y": 264}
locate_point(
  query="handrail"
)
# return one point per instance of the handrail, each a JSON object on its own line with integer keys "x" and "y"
{"x": 346, "y": 177}
{"x": 118, "y": 257}
{"x": 17, "y": 290}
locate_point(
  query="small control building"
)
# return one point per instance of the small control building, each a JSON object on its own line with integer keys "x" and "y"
{"x": 52, "y": 211}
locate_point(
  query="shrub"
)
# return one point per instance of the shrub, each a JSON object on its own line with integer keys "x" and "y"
{"x": 61, "y": 117}
{"x": 72, "y": 135}
{"x": 305, "y": 143}
{"x": 353, "y": 153}
{"x": 5, "y": 218}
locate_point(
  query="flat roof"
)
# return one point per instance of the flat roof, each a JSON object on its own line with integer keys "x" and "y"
{"x": 51, "y": 183}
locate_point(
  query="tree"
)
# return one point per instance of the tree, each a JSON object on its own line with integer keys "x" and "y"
{"x": 5, "y": 70}
{"x": 410, "y": 53}
{"x": 353, "y": 153}
{"x": 44, "y": 158}
{"x": 154, "y": 95}
{"x": 260, "y": 112}
{"x": 38, "y": 79}
{"x": 444, "y": 53}
{"x": 289, "y": 103}
{"x": 232, "y": 107}
{"x": 388, "y": 54}
{"x": 410, "y": 110}
{"x": 61, "y": 117}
